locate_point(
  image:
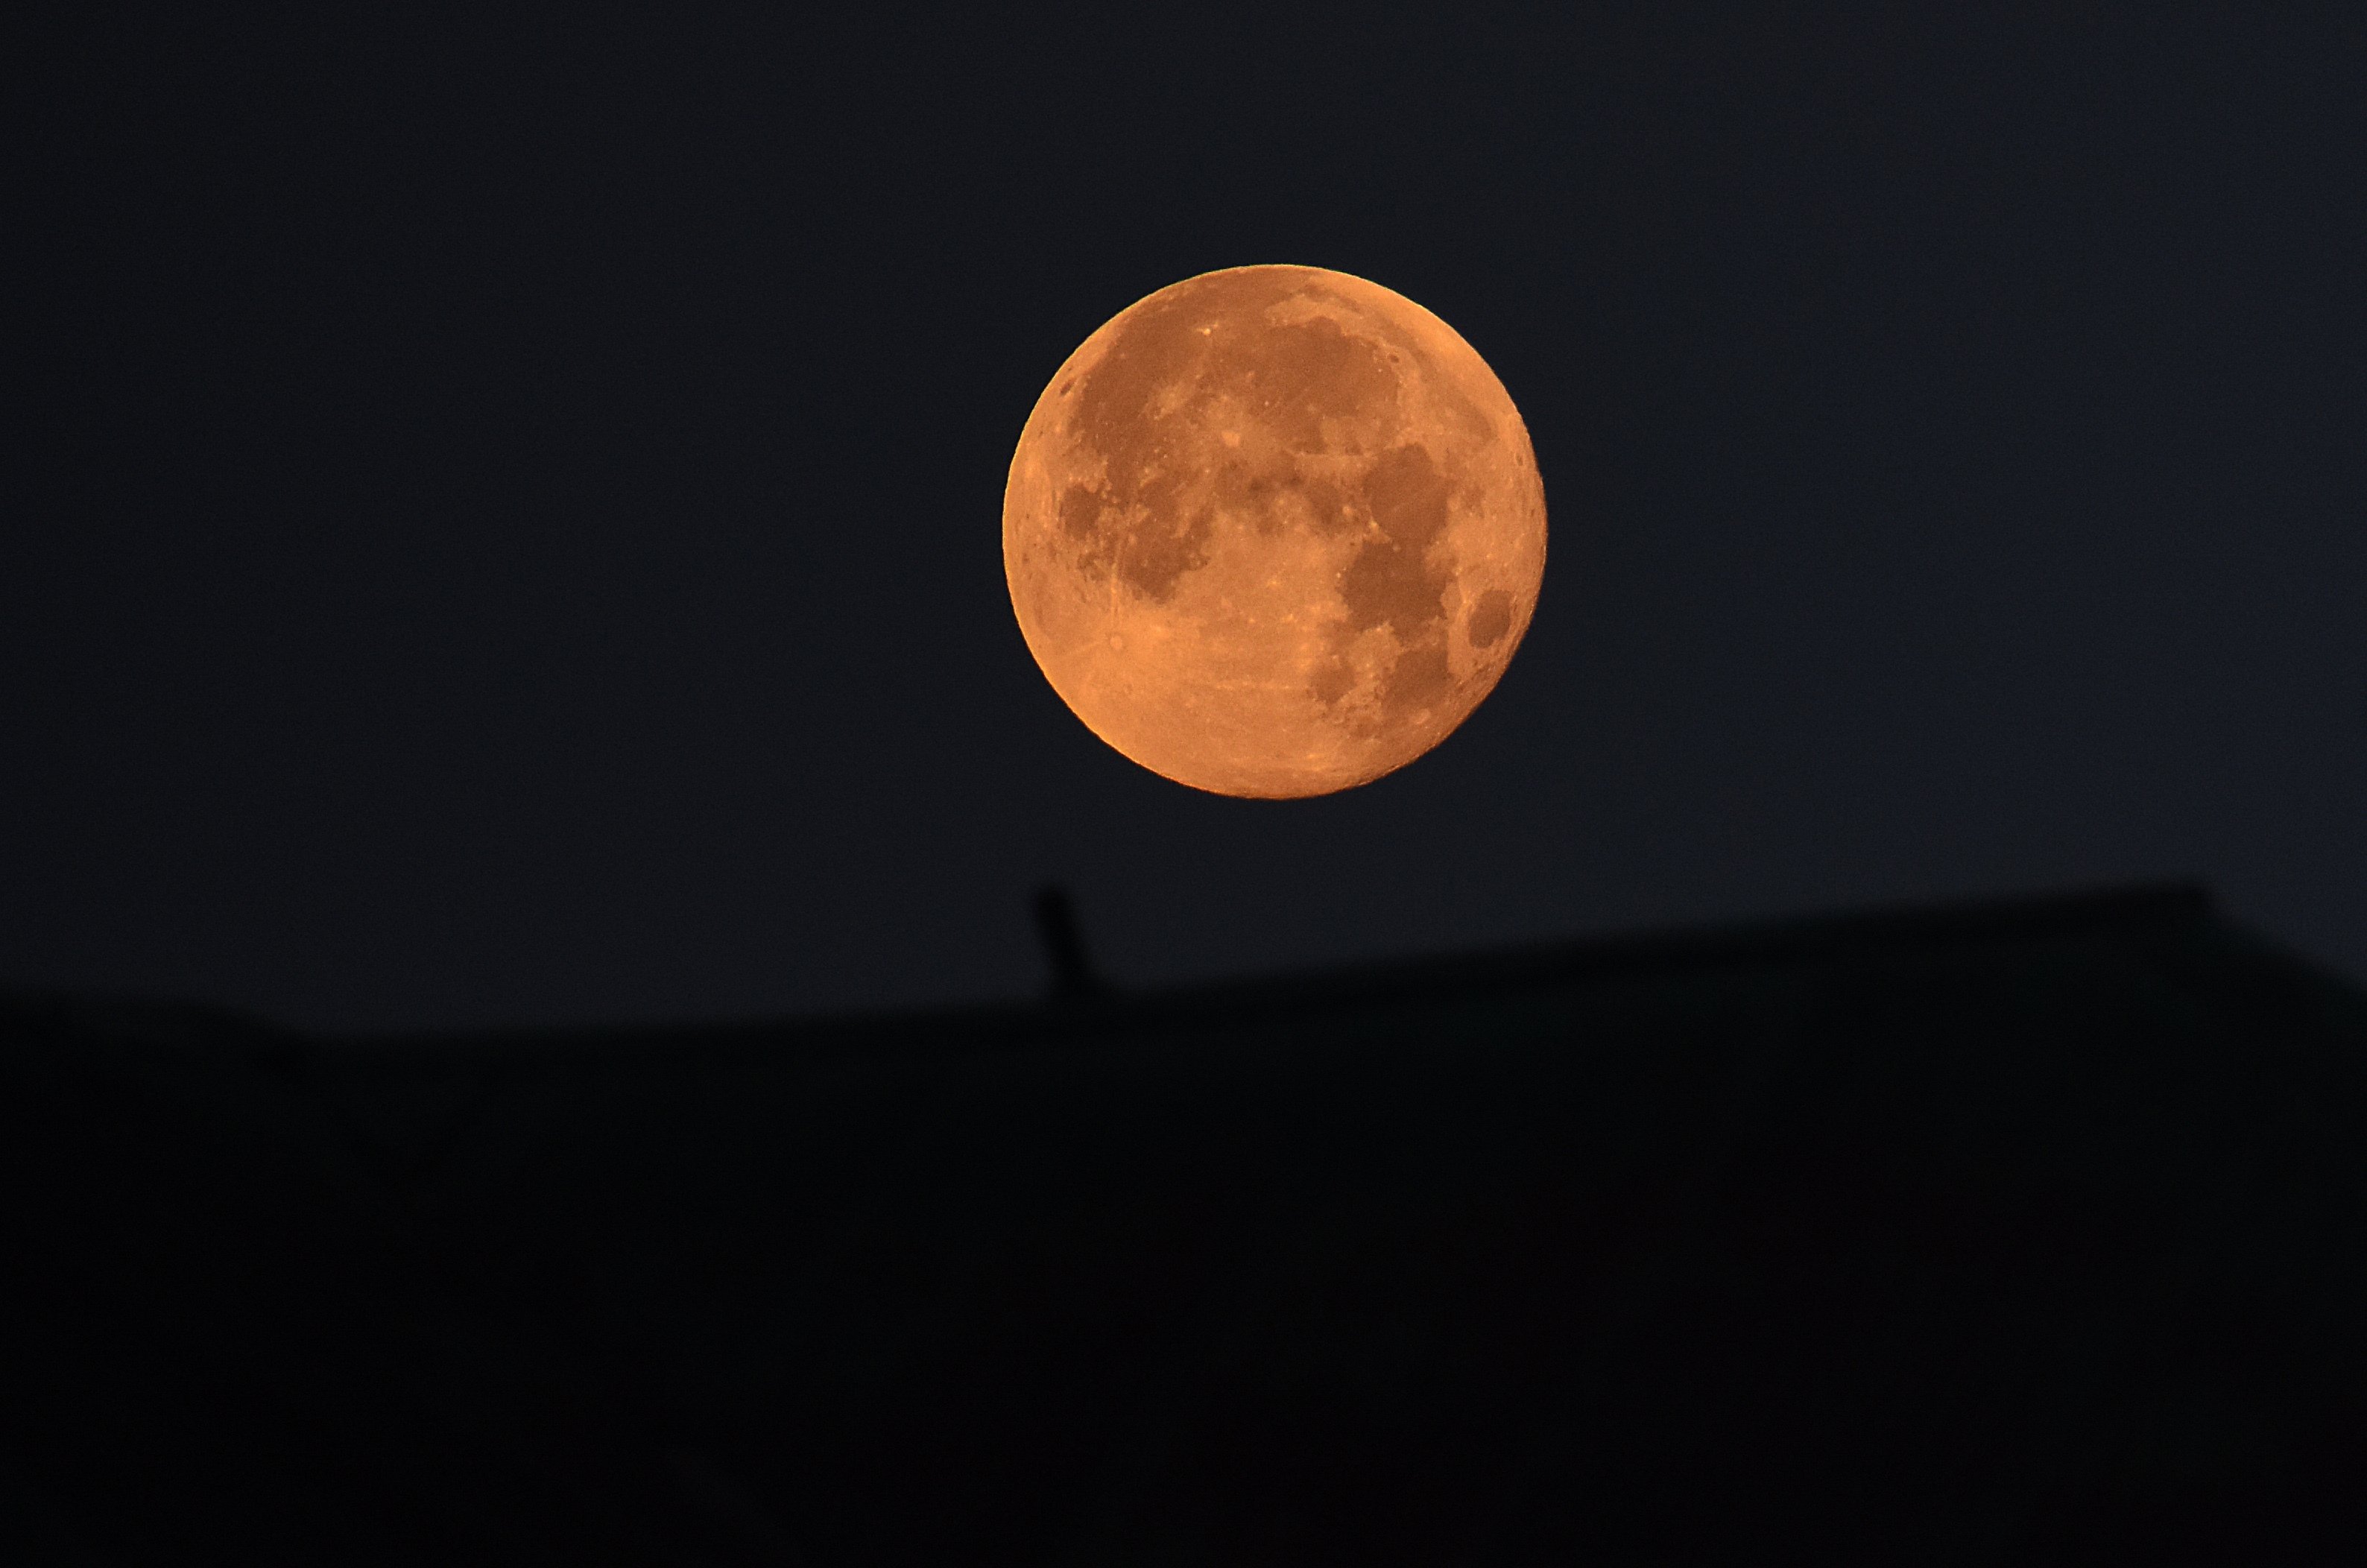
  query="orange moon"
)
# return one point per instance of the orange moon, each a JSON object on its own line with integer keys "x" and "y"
{"x": 1273, "y": 531}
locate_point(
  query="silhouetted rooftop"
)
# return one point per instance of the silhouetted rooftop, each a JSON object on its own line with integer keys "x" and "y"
{"x": 2019, "y": 1232}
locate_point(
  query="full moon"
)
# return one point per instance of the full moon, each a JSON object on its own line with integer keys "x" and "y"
{"x": 1273, "y": 531}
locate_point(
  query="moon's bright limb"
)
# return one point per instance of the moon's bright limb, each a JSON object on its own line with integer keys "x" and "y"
{"x": 1273, "y": 531}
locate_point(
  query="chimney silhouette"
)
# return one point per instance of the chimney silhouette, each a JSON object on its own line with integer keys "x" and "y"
{"x": 1064, "y": 947}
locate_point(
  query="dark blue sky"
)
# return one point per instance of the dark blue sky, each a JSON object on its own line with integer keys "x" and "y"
{"x": 504, "y": 508}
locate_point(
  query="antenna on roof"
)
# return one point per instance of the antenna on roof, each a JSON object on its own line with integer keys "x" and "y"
{"x": 1064, "y": 948}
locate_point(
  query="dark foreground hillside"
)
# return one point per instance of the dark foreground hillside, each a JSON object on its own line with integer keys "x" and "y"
{"x": 2012, "y": 1234}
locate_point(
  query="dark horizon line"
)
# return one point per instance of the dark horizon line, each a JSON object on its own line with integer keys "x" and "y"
{"x": 1056, "y": 1011}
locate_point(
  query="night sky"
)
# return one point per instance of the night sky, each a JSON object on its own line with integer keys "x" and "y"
{"x": 502, "y": 515}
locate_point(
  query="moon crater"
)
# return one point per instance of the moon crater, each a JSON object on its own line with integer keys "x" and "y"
{"x": 1273, "y": 531}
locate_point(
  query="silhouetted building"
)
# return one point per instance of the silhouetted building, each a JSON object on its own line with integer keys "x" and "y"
{"x": 2021, "y": 1234}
